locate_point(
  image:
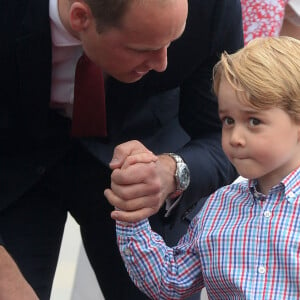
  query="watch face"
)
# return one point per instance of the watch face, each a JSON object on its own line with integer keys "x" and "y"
{"x": 184, "y": 177}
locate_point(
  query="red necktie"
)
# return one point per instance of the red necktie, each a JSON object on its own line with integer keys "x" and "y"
{"x": 89, "y": 114}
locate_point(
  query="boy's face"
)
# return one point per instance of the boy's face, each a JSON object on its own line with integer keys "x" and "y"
{"x": 262, "y": 144}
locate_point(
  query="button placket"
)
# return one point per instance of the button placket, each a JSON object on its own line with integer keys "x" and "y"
{"x": 263, "y": 236}
{"x": 267, "y": 214}
{"x": 261, "y": 269}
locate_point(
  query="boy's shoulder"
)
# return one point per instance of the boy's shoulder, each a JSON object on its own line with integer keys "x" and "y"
{"x": 232, "y": 192}
{"x": 240, "y": 184}
{"x": 227, "y": 198}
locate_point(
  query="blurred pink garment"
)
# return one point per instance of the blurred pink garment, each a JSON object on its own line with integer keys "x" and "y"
{"x": 262, "y": 18}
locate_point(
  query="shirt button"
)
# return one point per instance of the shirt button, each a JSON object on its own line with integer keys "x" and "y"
{"x": 127, "y": 252}
{"x": 267, "y": 214}
{"x": 261, "y": 270}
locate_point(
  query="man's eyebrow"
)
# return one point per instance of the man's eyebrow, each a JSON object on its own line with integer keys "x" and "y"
{"x": 145, "y": 47}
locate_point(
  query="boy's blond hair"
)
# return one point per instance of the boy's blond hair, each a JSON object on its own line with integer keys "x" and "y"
{"x": 265, "y": 74}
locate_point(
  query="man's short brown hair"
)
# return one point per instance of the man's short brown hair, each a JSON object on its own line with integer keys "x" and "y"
{"x": 108, "y": 13}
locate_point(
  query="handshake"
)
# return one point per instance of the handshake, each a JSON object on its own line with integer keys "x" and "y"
{"x": 140, "y": 182}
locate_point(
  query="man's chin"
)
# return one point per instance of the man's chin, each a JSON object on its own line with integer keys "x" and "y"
{"x": 130, "y": 77}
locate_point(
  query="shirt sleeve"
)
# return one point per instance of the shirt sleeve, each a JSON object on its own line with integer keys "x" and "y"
{"x": 160, "y": 271}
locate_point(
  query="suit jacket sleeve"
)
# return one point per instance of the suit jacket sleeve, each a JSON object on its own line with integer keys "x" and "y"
{"x": 198, "y": 112}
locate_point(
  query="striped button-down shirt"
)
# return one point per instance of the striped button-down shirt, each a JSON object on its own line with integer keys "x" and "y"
{"x": 241, "y": 245}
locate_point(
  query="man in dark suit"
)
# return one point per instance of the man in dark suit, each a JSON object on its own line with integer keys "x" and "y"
{"x": 45, "y": 173}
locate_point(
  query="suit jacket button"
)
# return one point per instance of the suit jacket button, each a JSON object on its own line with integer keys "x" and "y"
{"x": 41, "y": 170}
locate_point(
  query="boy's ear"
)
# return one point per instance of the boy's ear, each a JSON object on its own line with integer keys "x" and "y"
{"x": 80, "y": 16}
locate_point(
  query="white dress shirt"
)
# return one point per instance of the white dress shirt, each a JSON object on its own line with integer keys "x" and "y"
{"x": 66, "y": 50}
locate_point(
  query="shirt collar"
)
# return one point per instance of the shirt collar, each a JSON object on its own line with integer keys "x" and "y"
{"x": 252, "y": 184}
{"x": 290, "y": 184}
{"x": 60, "y": 36}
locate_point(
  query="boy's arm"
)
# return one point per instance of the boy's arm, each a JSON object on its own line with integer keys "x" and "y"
{"x": 157, "y": 270}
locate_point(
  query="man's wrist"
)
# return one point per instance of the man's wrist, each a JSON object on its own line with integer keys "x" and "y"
{"x": 181, "y": 176}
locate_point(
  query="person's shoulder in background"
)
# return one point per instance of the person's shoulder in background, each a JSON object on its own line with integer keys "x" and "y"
{"x": 291, "y": 22}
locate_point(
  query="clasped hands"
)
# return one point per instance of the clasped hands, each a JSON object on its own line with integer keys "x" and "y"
{"x": 140, "y": 182}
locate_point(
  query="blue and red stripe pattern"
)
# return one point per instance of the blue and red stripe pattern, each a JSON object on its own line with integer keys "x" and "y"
{"x": 241, "y": 245}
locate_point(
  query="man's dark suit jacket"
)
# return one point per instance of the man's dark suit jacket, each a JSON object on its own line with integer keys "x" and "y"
{"x": 173, "y": 111}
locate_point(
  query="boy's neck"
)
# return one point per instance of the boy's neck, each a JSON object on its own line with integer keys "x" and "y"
{"x": 265, "y": 183}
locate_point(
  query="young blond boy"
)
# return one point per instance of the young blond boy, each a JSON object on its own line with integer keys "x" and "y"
{"x": 245, "y": 242}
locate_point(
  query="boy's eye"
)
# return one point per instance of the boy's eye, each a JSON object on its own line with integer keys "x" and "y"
{"x": 227, "y": 121}
{"x": 254, "y": 122}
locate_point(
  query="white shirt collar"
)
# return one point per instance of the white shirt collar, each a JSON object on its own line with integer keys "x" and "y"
{"x": 60, "y": 36}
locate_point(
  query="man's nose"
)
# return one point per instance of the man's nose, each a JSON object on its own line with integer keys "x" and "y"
{"x": 159, "y": 59}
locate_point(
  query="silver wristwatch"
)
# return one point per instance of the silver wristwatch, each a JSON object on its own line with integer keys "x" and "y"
{"x": 182, "y": 175}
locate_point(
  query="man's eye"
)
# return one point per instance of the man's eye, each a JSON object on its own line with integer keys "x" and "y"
{"x": 141, "y": 51}
{"x": 254, "y": 122}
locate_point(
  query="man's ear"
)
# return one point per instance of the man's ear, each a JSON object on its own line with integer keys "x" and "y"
{"x": 80, "y": 16}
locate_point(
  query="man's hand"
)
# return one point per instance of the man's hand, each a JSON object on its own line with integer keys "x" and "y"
{"x": 12, "y": 283}
{"x": 140, "y": 182}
